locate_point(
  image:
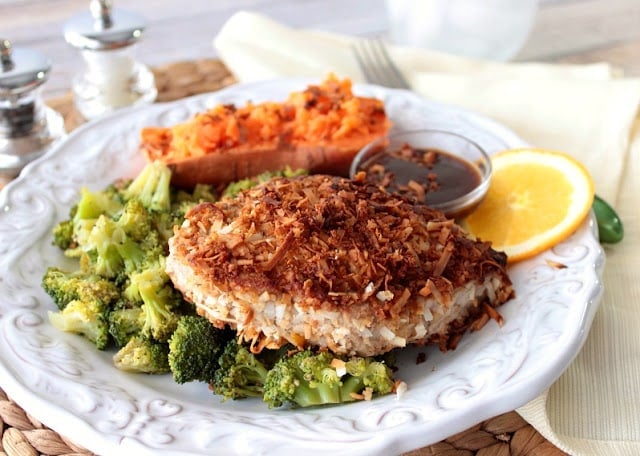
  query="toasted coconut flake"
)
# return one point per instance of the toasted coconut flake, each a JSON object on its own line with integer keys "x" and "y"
{"x": 387, "y": 333}
{"x": 402, "y": 300}
{"x": 493, "y": 313}
{"x": 452, "y": 342}
{"x": 436, "y": 292}
{"x": 400, "y": 388}
{"x": 443, "y": 260}
{"x": 480, "y": 322}
{"x": 384, "y": 295}
{"x": 369, "y": 289}
{"x": 417, "y": 189}
{"x": 280, "y": 251}
{"x": 556, "y": 264}
{"x": 340, "y": 366}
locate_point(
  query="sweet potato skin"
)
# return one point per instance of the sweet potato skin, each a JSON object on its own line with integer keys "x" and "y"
{"x": 319, "y": 130}
{"x": 233, "y": 165}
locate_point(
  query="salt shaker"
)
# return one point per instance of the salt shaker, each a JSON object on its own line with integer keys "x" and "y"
{"x": 28, "y": 128}
{"x": 113, "y": 78}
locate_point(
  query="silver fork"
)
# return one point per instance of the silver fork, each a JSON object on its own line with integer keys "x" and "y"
{"x": 376, "y": 63}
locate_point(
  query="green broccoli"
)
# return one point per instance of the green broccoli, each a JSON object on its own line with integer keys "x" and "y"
{"x": 65, "y": 287}
{"x": 63, "y": 235}
{"x": 125, "y": 323}
{"x": 83, "y": 216}
{"x": 81, "y": 231}
{"x": 112, "y": 252}
{"x": 129, "y": 201}
{"x": 143, "y": 355}
{"x": 93, "y": 204}
{"x": 163, "y": 227}
{"x": 310, "y": 378}
{"x": 240, "y": 373}
{"x": 235, "y": 187}
{"x": 194, "y": 349}
{"x": 200, "y": 194}
{"x": 119, "y": 236}
{"x": 369, "y": 373}
{"x": 123, "y": 225}
{"x": 136, "y": 220}
{"x": 162, "y": 304}
{"x": 84, "y": 317}
{"x": 151, "y": 187}
{"x": 183, "y": 199}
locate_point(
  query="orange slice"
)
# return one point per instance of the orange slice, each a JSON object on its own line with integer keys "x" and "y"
{"x": 536, "y": 199}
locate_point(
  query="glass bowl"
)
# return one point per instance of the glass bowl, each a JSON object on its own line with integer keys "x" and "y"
{"x": 443, "y": 169}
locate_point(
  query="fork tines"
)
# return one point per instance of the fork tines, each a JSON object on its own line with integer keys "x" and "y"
{"x": 376, "y": 63}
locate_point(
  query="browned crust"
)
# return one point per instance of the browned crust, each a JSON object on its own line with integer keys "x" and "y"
{"x": 334, "y": 244}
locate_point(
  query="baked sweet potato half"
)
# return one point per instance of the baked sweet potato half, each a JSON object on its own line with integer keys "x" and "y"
{"x": 319, "y": 129}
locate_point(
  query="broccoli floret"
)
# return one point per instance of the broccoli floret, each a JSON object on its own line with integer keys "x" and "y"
{"x": 68, "y": 234}
{"x": 194, "y": 349}
{"x": 125, "y": 323}
{"x": 145, "y": 230}
{"x": 119, "y": 236}
{"x": 162, "y": 305}
{"x": 94, "y": 204}
{"x": 151, "y": 187}
{"x": 164, "y": 223}
{"x": 308, "y": 379}
{"x": 84, "y": 317}
{"x": 114, "y": 254}
{"x": 240, "y": 373}
{"x": 101, "y": 247}
{"x": 136, "y": 220}
{"x": 369, "y": 373}
{"x": 202, "y": 193}
{"x": 143, "y": 355}
{"x": 81, "y": 232}
{"x": 111, "y": 250}
{"x": 63, "y": 235}
{"x": 65, "y": 287}
{"x": 303, "y": 379}
{"x": 235, "y": 187}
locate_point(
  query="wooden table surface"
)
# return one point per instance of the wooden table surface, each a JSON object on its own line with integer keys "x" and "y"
{"x": 565, "y": 30}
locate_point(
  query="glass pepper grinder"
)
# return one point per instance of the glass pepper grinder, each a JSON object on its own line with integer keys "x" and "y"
{"x": 112, "y": 79}
{"x": 28, "y": 128}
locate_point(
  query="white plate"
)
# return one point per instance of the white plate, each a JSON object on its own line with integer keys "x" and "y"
{"x": 64, "y": 382}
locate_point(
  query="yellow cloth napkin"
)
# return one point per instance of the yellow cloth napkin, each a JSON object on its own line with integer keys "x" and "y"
{"x": 588, "y": 111}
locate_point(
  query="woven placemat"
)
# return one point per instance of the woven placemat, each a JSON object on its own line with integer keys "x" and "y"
{"x": 22, "y": 435}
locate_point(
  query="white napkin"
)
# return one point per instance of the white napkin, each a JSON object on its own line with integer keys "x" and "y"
{"x": 587, "y": 111}
{"x": 564, "y": 107}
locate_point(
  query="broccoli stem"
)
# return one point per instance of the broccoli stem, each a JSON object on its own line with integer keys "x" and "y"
{"x": 152, "y": 187}
{"x": 307, "y": 395}
{"x": 254, "y": 375}
{"x": 160, "y": 321}
{"x": 94, "y": 204}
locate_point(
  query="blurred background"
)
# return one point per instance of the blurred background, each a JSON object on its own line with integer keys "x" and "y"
{"x": 184, "y": 30}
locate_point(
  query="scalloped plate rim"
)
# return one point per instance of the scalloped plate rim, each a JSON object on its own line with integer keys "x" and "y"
{"x": 512, "y": 397}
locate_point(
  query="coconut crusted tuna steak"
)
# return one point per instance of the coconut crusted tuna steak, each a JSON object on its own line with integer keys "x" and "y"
{"x": 328, "y": 262}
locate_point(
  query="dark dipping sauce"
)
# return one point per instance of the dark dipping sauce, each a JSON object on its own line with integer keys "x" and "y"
{"x": 428, "y": 175}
